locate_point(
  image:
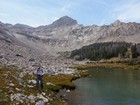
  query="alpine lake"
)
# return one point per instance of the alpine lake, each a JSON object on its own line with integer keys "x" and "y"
{"x": 107, "y": 86}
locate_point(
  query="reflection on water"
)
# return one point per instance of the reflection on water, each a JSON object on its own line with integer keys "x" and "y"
{"x": 107, "y": 87}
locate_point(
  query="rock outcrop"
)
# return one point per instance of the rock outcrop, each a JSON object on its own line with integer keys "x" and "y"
{"x": 65, "y": 34}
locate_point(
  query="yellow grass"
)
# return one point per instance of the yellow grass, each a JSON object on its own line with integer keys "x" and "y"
{"x": 107, "y": 65}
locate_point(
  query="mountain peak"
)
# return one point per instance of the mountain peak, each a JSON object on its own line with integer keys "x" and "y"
{"x": 65, "y": 17}
{"x": 64, "y": 21}
{"x": 117, "y": 22}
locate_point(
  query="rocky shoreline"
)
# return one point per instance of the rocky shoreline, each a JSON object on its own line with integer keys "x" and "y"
{"x": 18, "y": 85}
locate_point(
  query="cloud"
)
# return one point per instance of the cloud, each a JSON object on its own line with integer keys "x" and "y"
{"x": 3, "y": 15}
{"x": 55, "y": 18}
{"x": 43, "y": 12}
{"x": 130, "y": 11}
{"x": 66, "y": 7}
{"x": 33, "y": 12}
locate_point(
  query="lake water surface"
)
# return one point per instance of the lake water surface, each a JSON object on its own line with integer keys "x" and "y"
{"x": 107, "y": 87}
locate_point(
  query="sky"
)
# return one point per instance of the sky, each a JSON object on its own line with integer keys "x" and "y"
{"x": 86, "y": 12}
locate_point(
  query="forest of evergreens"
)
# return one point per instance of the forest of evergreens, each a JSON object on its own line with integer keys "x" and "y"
{"x": 106, "y": 50}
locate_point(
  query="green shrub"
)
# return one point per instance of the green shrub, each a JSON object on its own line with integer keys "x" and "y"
{"x": 54, "y": 88}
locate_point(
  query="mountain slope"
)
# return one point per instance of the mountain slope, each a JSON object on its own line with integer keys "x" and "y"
{"x": 65, "y": 34}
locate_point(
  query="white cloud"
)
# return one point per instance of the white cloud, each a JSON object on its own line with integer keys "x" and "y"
{"x": 129, "y": 11}
{"x": 55, "y": 18}
{"x": 66, "y": 8}
{"x": 3, "y": 15}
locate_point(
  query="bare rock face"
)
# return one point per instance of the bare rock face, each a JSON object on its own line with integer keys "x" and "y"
{"x": 64, "y": 22}
{"x": 65, "y": 34}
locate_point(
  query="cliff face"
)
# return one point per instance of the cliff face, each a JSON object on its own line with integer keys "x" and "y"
{"x": 24, "y": 45}
{"x": 65, "y": 34}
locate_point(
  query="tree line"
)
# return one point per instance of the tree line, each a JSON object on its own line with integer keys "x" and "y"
{"x": 106, "y": 50}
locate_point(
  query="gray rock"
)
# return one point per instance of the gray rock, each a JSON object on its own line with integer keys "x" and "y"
{"x": 40, "y": 103}
{"x": 11, "y": 84}
{"x": 30, "y": 86}
{"x": 20, "y": 43}
{"x": 18, "y": 97}
{"x": 32, "y": 98}
{"x": 32, "y": 81}
{"x": 40, "y": 96}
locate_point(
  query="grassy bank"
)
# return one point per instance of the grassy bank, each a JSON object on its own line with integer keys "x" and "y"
{"x": 110, "y": 64}
{"x": 52, "y": 85}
